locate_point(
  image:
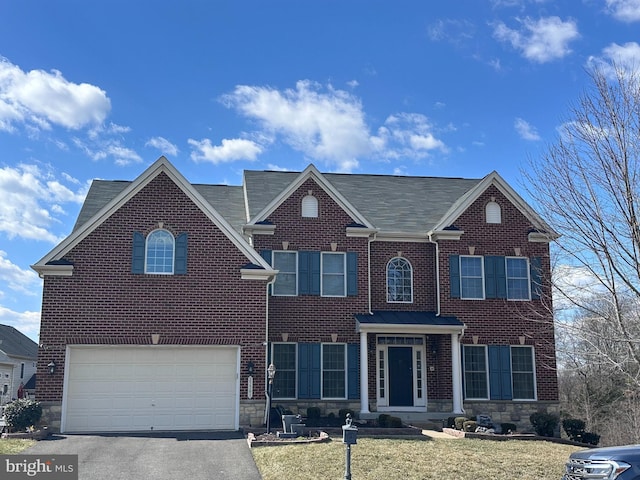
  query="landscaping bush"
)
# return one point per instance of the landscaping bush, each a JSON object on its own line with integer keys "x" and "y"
{"x": 470, "y": 426}
{"x": 313, "y": 413}
{"x": 394, "y": 422}
{"x": 383, "y": 420}
{"x": 459, "y": 422}
{"x": 22, "y": 414}
{"x": 590, "y": 438}
{"x": 544, "y": 424}
{"x": 508, "y": 428}
{"x": 574, "y": 428}
{"x": 450, "y": 422}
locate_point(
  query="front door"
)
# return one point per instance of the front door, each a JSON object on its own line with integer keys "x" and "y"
{"x": 400, "y": 376}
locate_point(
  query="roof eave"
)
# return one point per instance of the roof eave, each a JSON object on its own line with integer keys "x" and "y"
{"x": 53, "y": 270}
{"x": 407, "y": 328}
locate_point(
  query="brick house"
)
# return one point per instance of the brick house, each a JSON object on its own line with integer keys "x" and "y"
{"x": 421, "y": 296}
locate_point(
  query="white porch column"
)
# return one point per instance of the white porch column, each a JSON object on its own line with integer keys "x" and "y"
{"x": 456, "y": 373}
{"x": 364, "y": 374}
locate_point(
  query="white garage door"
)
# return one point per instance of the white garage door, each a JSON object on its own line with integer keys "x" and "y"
{"x": 121, "y": 389}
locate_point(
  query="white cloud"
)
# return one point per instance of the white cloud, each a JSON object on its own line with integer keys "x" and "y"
{"x": 103, "y": 147}
{"x": 164, "y": 145}
{"x": 328, "y": 125}
{"x": 17, "y": 279}
{"x": 540, "y": 40}
{"x": 623, "y": 57}
{"x": 231, "y": 150}
{"x": 32, "y": 202}
{"x": 39, "y": 99}
{"x": 26, "y": 322}
{"x": 624, "y": 10}
{"x": 454, "y": 31}
{"x": 526, "y": 130}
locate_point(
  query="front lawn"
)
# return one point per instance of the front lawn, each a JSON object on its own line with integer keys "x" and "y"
{"x": 373, "y": 459}
{"x": 11, "y": 447}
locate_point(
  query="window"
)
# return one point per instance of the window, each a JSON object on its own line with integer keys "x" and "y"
{"x": 287, "y": 280}
{"x": 475, "y": 372}
{"x": 493, "y": 213}
{"x": 333, "y": 275}
{"x": 522, "y": 373}
{"x": 310, "y": 207}
{"x": 334, "y": 383}
{"x": 284, "y": 359}
{"x": 22, "y": 370}
{"x": 159, "y": 253}
{"x": 399, "y": 281}
{"x": 517, "y": 278}
{"x": 471, "y": 277}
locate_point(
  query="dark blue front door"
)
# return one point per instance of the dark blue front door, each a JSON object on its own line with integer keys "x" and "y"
{"x": 400, "y": 376}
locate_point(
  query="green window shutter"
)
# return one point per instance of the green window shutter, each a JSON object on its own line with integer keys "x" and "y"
{"x": 353, "y": 371}
{"x": 180, "y": 260}
{"x": 266, "y": 255}
{"x": 314, "y": 273}
{"x": 500, "y": 372}
{"x": 137, "y": 255}
{"x": 352, "y": 274}
{"x": 454, "y": 275}
{"x": 495, "y": 277}
{"x": 308, "y": 370}
{"x": 303, "y": 273}
{"x": 535, "y": 266}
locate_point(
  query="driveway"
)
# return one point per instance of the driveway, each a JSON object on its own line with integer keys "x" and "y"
{"x": 157, "y": 456}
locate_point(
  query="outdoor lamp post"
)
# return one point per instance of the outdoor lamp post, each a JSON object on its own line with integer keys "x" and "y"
{"x": 271, "y": 371}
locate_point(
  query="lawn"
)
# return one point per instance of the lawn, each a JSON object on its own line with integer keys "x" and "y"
{"x": 11, "y": 447}
{"x": 468, "y": 459}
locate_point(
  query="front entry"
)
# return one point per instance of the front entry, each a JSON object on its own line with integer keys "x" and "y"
{"x": 400, "y": 376}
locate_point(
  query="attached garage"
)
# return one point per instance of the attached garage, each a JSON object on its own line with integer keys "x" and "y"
{"x": 143, "y": 388}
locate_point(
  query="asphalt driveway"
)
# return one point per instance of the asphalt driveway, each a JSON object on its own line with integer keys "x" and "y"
{"x": 157, "y": 456}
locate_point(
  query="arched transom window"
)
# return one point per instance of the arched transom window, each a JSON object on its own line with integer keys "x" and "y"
{"x": 160, "y": 247}
{"x": 310, "y": 206}
{"x": 493, "y": 212}
{"x": 399, "y": 281}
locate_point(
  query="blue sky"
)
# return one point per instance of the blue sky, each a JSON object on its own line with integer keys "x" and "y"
{"x": 433, "y": 88}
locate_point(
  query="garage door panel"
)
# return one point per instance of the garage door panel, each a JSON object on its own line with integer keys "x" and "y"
{"x": 164, "y": 388}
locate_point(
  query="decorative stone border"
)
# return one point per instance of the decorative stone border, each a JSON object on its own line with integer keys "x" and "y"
{"x": 254, "y": 441}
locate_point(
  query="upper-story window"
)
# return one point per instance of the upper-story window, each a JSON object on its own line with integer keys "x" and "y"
{"x": 333, "y": 277}
{"x": 518, "y": 278}
{"x": 286, "y": 263}
{"x": 159, "y": 252}
{"x": 493, "y": 212}
{"x": 399, "y": 281}
{"x": 310, "y": 206}
{"x": 471, "y": 277}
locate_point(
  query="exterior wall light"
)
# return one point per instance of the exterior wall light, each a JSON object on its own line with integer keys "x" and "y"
{"x": 52, "y": 367}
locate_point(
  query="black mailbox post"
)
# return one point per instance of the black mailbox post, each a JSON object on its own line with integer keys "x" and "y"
{"x": 349, "y": 437}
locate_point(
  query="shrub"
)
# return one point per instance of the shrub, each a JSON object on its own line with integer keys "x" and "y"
{"x": 591, "y": 438}
{"x": 508, "y": 427}
{"x": 22, "y": 413}
{"x": 450, "y": 422}
{"x": 544, "y": 423}
{"x": 459, "y": 422}
{"x": 313, "y": 413}
{"x": 342, "y": 413}
{"x": 383, "y": 420}
{"x": 470, "y": 426}
{"x": 394, "y": 422}
{"x": 574, "y": 428}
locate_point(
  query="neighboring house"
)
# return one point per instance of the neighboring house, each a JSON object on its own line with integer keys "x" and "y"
{"x": 18, "y": 358}
{"x": 420, "y": 296}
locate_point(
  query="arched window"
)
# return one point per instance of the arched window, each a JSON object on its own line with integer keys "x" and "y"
{"x": 310, "y": 206}
{"x": 160, "y": 247}
{"x": 399, "y": 281}
{"x": 493, "y": 212}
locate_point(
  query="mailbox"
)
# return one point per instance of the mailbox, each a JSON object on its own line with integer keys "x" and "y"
{"x": 349, "y": 432}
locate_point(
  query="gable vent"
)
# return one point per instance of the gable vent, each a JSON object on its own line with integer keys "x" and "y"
{"x": 493, "y": 213}
{"x": 310, "y": 206}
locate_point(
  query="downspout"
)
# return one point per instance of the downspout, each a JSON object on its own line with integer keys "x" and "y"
{"x": 437, "y": 274}
{"x": 266, "y": 347}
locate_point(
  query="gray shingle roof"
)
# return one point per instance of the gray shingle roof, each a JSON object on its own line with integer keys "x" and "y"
{"x": 390, "y": 203}
{"x": 16, "y": 344}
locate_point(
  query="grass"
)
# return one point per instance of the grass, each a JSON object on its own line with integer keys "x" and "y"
{"x": 469, "y": 459}
{"x": 11, "y": 447}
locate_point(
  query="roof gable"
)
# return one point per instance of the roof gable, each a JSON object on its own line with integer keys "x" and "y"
{"x": 129, "y": 190}
{"x": 311, "y": 172}
{"x": 15, "y": 344}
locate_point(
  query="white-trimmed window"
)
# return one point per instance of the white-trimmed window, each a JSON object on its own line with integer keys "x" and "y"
{"x": 286, "y": 263}
{"x": 518, "y": 282}
{"x": 399, "y": 281}
{"x": 159, "y": 253}
{"x": 472, "y": 277}
{"x": 334, "y": 371}
{"x": 333, "y": 274}
{"x": 493, "y": 212}
{"x": 523, "y": 373}
{"x": 476, "y": 378}
{"x": 309, "y": 207}
{"x": 284, "y": 357}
